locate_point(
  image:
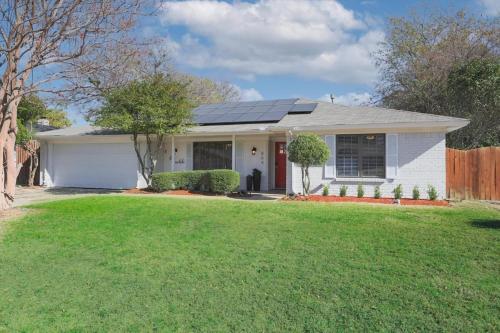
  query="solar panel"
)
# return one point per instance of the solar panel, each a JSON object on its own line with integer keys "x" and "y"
{"x": 250, "y": 117}
{"x": 263, "y": 103}
{"x": 281, "y": 108}
{"x": 303, "y": 108}
{"x": 286, "y": 101}
{"x": 249, "y": 112}
{"x": 272, "y": 116}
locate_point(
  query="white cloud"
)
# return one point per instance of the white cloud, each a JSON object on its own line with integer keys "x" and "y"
{"x": 248, "y": 94}
{"x": 349, "y": 99}
{"x": 492, "y": 7}
{"x": 317, "y": 39}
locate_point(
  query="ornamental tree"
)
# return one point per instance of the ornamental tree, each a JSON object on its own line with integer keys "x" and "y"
{"x": 30, "y": 109}
{"x": 307, "y": 150}
{"x": 150, "y": 110}
{"x": 42, "y": 41}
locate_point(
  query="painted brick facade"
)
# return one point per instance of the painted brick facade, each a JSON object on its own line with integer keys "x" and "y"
{"x": 421, "y": 162}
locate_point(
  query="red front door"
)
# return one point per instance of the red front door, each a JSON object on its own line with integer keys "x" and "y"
{"x": 280, "y": 165}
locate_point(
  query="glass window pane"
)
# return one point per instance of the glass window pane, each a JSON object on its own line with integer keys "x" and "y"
{"x": 212, "y": 155}
{"x": 361, "y": 155}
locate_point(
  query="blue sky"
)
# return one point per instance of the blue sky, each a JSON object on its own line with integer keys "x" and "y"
{"x": 282, "y": 49}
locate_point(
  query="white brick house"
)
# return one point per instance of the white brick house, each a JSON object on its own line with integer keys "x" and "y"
{"x": 369, "y": 146}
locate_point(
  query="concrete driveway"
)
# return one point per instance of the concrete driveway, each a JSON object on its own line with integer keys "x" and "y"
{"x": 30, "y": 195}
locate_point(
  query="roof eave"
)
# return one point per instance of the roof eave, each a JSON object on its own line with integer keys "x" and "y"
{"x": 447, "y": 126}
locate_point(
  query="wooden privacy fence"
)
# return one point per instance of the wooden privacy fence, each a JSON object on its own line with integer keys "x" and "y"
{"x": 473, "y": 174}
{"x": 23, "y": 157}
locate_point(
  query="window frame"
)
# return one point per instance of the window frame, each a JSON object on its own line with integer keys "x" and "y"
{"x": 361, "y": 151}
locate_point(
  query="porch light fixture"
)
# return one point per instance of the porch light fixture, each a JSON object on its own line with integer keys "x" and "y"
{"x": 254, "y": 151}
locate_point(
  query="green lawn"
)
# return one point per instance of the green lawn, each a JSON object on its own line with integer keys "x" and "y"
{"x": 120, "y": 263}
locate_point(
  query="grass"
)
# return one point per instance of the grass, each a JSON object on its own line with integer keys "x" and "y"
{"x": 120, "y": 263}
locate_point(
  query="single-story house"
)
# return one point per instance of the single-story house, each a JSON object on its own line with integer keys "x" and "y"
{"x": 369, "y": 145}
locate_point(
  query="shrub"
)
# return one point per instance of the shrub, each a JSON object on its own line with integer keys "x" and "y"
{"x": 432, "y": 192}
{"x": 188, "y": 180}
{"x": 377, "y": 194}
{"x": 361, "y": 191}
{"x": 416, "y": 193}
{"x": 326, "y": 190}
{"x": 217, "y": 181}
{"x": 223, "y": 181}
{"x": 398, "y": 192}
{"x": 307, "y": 150}
{"x": 343, "y": 190}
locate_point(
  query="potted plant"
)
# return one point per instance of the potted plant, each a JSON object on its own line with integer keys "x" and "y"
{"x": 256, "y": 173}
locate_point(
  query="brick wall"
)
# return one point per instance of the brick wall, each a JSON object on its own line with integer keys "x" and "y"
{"x": 421, "y": 161}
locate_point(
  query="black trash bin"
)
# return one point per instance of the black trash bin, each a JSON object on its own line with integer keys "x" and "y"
{"x": 256, "y": 179}
{"x": 249, "y": 183}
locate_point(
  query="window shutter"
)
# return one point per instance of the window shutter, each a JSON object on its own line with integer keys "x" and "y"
{"x": 391, "y": 156}
{"x": 239, "y": 157}
{"x": 189, "y": 156}
{"x": 330, "y": 164}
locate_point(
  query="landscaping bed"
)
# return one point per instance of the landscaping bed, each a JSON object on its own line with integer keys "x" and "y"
{"x": 171, "y": 192}
{"x": 405, "y": 202}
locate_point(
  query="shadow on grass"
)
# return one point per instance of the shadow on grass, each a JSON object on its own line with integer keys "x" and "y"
{"x": 490, "y": 224}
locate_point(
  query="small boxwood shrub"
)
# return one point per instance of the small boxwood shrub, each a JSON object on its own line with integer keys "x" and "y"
{"x": 326, "y": 190}
{"x": 416, "y": 193}
{"x": 398, "y": 192}
{"x": 217, "y": 181}
{"x": 432, "y": 192}
{"x": 361, "y": 191}
{"x": 343, "y": 190}
{"x": 223, "y": 181}
{"x": 178, "y": 180}
{"x": 377, "y": 193}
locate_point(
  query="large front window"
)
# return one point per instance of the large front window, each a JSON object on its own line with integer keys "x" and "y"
{"x": 361, "y": 155}
{"x": 212, "y": 155}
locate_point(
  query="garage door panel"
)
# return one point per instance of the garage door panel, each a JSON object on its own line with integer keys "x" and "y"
{"x": 95, "y": 165}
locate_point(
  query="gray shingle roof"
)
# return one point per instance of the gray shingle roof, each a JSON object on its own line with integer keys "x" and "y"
{"x": 324, "y": 116}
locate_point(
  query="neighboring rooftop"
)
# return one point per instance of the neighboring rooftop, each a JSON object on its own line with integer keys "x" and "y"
{"x": 290, "y": 114}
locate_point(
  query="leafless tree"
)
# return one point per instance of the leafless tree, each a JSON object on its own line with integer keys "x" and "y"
{"x": 42, "y": 41}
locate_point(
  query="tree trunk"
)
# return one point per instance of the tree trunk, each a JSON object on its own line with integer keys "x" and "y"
{"x": 9, "y": 169}
{"x": 147, "y": 161}
{"x": 33, "y": 166}
{"x": 307, "y": 181}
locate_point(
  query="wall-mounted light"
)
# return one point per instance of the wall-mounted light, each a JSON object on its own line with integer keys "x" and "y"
{"x": 176, "y": 150}
{"x": 370, "y": 137}
{"x": 254, "y": 151}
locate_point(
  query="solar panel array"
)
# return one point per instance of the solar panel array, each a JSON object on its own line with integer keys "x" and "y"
{"x": 249, "y": 112}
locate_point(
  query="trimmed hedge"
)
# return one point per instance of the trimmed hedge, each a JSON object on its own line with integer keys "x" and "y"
{"x": 223, "y": 181}
{"x": 216, "y": 181}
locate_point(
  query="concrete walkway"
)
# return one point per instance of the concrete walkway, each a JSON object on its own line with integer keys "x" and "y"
{"x": 31, "y": 195}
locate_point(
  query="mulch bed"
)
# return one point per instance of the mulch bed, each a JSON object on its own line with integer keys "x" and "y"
{"x": 173, "y": 192}
{"x": 404, "y": 202}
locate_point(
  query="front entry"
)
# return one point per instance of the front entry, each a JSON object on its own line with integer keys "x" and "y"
{"x": 280, "y": 165}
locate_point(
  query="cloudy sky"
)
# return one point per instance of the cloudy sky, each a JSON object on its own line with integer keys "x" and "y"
{"x": 280, "y": 49}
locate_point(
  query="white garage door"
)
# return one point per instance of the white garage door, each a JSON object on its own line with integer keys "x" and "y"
{"x": 96, "y": 165}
